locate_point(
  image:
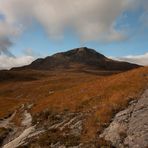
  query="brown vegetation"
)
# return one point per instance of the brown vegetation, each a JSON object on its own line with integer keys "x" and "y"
{"x": 98, "y": 96}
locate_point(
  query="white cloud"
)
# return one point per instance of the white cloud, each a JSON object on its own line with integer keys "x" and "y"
{"x": 138, "y": 59}
{"x": 7, "y": 62}
{"x": 91, "y": 19}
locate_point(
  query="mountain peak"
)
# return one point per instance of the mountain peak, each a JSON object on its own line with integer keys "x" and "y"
{"x": 85, "y": 49}
{"x": 79, "y": 58}
{"x": 81, "y": 49}
{"x": 82, "y": 52}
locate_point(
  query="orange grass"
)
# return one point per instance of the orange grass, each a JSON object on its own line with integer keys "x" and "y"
{"x": 101, "y": 97}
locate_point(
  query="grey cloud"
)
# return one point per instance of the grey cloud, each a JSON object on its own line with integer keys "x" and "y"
{"x": 91, "y": 19}
{"x": 5, "y": 43}
{"x": 7, "y": 33}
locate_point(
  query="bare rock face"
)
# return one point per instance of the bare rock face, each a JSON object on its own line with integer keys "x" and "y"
{"x": 130, "y": 126}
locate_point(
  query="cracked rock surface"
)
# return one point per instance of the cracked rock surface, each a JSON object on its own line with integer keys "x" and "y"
{"x": 129, "y": 128}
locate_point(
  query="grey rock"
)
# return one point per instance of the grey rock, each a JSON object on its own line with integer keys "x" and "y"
{"x": 130, "y": 126}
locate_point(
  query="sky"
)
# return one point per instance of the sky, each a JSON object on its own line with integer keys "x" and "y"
{"x": 38, "y": 28}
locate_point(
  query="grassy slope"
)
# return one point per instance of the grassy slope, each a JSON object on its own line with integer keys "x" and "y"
{"x": 101, "y": 96}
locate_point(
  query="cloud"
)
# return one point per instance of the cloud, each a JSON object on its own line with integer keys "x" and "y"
{"x": 91, "y": 19}
{"x": 7, "y": 62}
{"x": 138, "y": 59}
{"x": 7, "y": 33}
{"x": 5, "y": 43}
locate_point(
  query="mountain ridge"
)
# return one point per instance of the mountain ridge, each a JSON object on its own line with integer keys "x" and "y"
{"x": 78, "y": 58}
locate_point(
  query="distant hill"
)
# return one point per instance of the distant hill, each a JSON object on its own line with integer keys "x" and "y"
{"x": 79, "y": 58}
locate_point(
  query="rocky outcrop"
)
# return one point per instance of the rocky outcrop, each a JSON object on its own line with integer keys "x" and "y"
{"x": 60, "y": 129}
{"x": 6, "y": 123}
{"x": 129, "y": 128}
{"x": 21, "y": 139}
{"x": 13, "y": 136}
{"x": 27, "y": 120}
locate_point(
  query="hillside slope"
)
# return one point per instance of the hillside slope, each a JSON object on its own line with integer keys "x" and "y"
{"x": 69, "y": 108}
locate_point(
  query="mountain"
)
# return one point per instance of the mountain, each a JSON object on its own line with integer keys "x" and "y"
{"x": 78, "y": 98}
{"x": 79, "y": 58}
